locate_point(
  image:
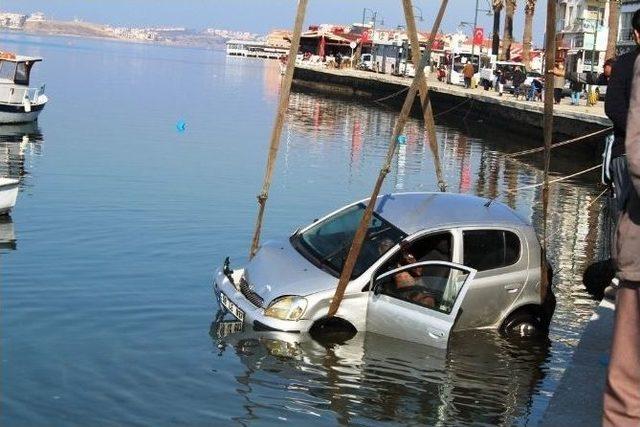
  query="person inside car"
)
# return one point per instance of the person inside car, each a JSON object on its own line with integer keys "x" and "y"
{"x": 407, "y": 284}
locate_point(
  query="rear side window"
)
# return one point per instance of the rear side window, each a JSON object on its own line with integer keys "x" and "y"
{"x": 489, "y": 249}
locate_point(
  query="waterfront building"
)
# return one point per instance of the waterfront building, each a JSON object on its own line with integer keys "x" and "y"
{"x": 625, "y": 31}
{"x": 142, "y": 34}
{"x": 255, "y": 49}
{"x": 36, "y": 17}
{"x": 279, "y": 38}
{"x": 582, "y": 34}
{"x": 327, "y": 40}
{"x": 12, "y": 20}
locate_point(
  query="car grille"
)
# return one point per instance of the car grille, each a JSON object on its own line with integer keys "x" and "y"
{"x": 253, "y": 297}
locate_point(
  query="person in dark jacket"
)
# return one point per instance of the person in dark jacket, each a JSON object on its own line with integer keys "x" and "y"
{"x": 603, "y": 79}
{"x": 518, "y": 82}
{"x": 535, "y": 90}
{"x": 576, "y": 87}
{"x": 616, "y": 107}
{"x": 616, "y": 104}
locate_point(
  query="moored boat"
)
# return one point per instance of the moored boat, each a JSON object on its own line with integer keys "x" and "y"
{"x": 19, "y": 103}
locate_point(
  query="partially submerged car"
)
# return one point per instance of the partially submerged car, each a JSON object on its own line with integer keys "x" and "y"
{"x": 431, "y": 263}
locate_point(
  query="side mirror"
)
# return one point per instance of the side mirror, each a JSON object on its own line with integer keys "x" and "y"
{"x": 227, "y": 271}
{"x": 376, "y": 286}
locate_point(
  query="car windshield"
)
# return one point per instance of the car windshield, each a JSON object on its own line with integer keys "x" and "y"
{"x": 327, "y": 243}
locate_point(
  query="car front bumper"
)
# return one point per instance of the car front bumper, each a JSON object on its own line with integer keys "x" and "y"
{"x": 253, "y": 315}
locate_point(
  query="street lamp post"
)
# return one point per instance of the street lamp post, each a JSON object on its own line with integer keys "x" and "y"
{"x": 475, "y": 25}
{"x": 420, "y": 18}
{"x": 593, "y": 50}
{"x": 374, "y": 15}
{"x": 473, "y": 40}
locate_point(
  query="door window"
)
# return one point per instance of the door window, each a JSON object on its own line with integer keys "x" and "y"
{"x": 489, "y": 249}
{"x": 434, "y": 247}
{"x": 434, "y": 285}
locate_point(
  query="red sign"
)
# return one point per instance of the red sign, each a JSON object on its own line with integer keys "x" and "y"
{"x": 478, "y": 36}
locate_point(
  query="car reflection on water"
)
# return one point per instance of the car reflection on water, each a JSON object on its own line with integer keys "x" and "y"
{"x": 481, "y": 379}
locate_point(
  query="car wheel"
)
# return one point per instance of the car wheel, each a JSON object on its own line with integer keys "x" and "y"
{"x": 332, "y": 330}
{"x": 522, "y": 324}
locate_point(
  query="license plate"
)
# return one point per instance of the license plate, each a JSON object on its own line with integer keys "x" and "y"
{"x": 233, "y": 309}
{"x": 224, "y": 329}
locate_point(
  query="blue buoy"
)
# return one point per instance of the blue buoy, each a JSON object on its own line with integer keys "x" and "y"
{"x": 402, "y": 139}
{"x": 181, "y": 126}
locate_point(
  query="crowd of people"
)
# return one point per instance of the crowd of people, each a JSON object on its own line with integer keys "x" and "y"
{"x": 515, "y": 79}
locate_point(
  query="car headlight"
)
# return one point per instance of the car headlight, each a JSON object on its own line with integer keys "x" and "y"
{"x": 287, "y": 308}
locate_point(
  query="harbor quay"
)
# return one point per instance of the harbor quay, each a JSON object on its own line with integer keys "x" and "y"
{"x": 517, "y": 115}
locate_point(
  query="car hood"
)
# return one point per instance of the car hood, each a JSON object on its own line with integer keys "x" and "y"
{"x": 278, "y": 269}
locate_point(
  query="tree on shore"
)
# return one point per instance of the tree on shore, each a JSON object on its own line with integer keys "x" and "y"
{"x": 497, "y": 6}
{"x": 507, "y": 37}
{"x": 614, "y": 19}
{"x": 529, "y": 11}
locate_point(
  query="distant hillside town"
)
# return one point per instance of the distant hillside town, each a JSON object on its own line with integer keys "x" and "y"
{"x": 588, "y": 33}
{"x": 38, "y": 23}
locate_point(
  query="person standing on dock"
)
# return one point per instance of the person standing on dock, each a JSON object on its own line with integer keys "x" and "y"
{"x": 616, "y": 106}
{"x": 468, "y": 71}
{"x": 501, "y": 79}
{"x": 519, "y": 78}
{"x": 576, "y": 88}
{"x": 558, "y": 81}
{"x": 622, "y": 394}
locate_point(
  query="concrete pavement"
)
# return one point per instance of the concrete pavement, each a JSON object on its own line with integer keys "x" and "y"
{"x": 578, "y": 399}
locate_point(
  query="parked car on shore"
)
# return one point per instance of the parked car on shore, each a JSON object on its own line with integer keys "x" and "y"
{"x": 488, "y": 75}
{"x": 457, "y": 78}
{"x": 431, "y": 263}
{"x": 531, "y": 76}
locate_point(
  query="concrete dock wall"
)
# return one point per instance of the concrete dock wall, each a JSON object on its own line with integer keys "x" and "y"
{"x": 523, "y": 117}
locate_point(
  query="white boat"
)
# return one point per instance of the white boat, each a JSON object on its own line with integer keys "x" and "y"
{"x": 19, "y": 103}
{"x": 8, "y": 194}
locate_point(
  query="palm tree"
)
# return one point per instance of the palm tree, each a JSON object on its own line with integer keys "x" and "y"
{"x": 529, "y": 11}
{"x": 497, "y": 8}
{"x": 614, "y": 19}
{"x": 507, "y": 37}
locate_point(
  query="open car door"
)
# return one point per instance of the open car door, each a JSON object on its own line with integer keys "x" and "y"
{"x": 418, "y": 302}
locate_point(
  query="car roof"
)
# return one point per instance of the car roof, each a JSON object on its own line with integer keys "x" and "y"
{"x": 413, "y": 212}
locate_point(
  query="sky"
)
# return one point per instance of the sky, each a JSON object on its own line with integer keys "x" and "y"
{"x": 260, "y": 16}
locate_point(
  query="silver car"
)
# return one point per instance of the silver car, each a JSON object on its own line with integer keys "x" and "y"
{"x": 431, "y": 263}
